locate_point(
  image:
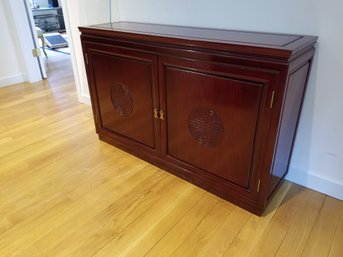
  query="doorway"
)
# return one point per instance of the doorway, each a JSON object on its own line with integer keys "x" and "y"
{"x": 48, "y": 28}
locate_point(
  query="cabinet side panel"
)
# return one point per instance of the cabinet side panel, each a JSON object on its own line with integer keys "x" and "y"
{"x": 291, "y": 111}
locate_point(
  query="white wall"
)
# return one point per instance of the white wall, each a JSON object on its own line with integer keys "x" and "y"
{"x": 318, "y": 155}
{"x": 16, "y": 63}
{"x": 10, "y": 68}
{"x": 83, "y": 13}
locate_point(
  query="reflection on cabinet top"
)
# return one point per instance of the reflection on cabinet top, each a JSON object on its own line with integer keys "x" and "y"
{"x": 272, "y": 45}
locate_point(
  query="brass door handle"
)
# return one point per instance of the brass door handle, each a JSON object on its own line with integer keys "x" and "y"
{"x": 161, "y": 115}
{"x": 156, "y": 113}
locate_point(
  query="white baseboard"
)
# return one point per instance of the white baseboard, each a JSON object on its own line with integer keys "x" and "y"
{"x": 315, "y": 182}
{"x": 7, "y": 81}
{"x": 86, "y": 99}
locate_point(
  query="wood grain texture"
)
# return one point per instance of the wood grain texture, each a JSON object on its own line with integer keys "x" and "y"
{"x": 263, "y": 44}
{"x": 65, "y": 193}
{"x": 127, "y": 99}
{"x": 324, "y": 231}
{"x": 234, "y": 103}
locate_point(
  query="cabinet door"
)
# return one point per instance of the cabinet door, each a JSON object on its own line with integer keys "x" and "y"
{"x": 124, "y": 83}
{"x": 213, "y": 116}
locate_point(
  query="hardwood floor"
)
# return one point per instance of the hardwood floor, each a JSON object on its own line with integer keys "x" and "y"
{"x": 65, "y": 193}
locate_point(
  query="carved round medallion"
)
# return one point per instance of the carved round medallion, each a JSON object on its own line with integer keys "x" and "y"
{"x": 205, "y": 126}
{"x": 122, "y": 99}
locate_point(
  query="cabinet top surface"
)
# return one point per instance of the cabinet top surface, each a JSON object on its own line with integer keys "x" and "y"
{"x": 284, "y": 44}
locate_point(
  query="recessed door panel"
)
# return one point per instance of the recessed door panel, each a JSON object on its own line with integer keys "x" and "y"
{"x": 211, "y": 122}
{"x": 125, "y": 89}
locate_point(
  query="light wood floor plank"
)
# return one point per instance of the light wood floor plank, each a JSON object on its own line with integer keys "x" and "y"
{"x": 336, "y": 249}
{"x": 216, "y": 243}
{"x": 300, "y": 223}
{"x": 31, "y": 251}
{"x": 322, "y": 235}
{"x": 5, "y": 225}
{"x": 142, "y": 247}
{"x": 165, "y": 202}
{"x": 33, "y": 229}
{"x": 205, "y": 230}
{"x": 300, "y": 204}
{"x": 52, "y": 242}
{"x": 249, "y": 235}
{"x": 183, "y": 227}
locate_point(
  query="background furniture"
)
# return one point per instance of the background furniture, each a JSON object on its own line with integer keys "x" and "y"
{"x": 49, "y": 19}
{"x": 55, "y": 40}
{"x": 218, "y": 108}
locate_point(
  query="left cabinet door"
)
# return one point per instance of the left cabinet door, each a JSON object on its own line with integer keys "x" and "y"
{"x": 123, "y": 88}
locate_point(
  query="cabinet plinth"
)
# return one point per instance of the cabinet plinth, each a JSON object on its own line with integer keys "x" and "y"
{"x": 218, "y": 108}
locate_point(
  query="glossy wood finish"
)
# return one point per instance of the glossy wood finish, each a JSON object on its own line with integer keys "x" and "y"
{"x": 293, "y": 100}
{"x": 246, "y": 42}
{"x": 127, "y": 99}
{"x": 65, "y": 193}
{"x": 224, "y": 144}
{"x": 218, "y": 108}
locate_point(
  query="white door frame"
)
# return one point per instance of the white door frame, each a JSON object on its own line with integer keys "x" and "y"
{"x": 34, "y": 37}
{"x": 73, "y": 58}
{"x": 25, "y": 42}
{"x": 32, "y": 71}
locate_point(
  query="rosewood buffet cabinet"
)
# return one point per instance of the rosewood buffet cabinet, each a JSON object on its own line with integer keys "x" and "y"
{"x": 218, "y": 108}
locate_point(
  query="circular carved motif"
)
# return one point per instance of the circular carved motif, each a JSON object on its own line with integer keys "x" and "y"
{"x": 205, "y": 126}
{"x": 122, "y": 99}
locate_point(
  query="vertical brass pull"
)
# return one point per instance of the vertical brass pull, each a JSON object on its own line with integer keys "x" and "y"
{"x": 161, "y": 115}
{"x": 155, "y": 113}
{"x": 272, "y": 100}
{"x": 258, "y": 185}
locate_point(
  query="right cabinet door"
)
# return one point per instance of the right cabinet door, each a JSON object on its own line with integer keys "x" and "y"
{"x": 215, "y": 116}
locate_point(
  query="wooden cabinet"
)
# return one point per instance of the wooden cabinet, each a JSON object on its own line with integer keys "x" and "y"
{"x": 218, "y": 108}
